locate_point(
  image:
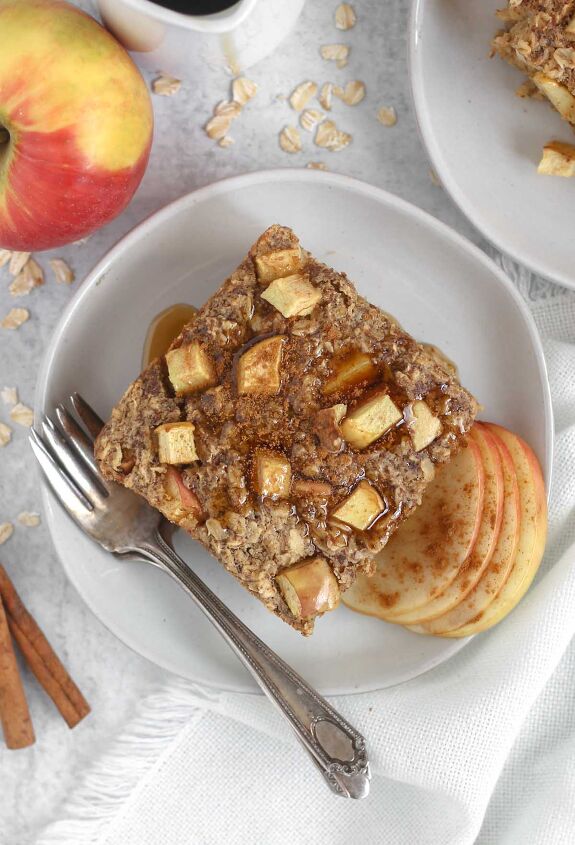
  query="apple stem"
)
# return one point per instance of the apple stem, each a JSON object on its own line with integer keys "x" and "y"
{"x": 4, "y": 135}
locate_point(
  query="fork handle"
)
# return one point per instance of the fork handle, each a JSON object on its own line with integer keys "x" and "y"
{"x": 336, "y": 747}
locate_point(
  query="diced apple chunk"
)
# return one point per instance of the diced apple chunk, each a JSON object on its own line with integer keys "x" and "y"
{"x": 370, "y": 420}
{"x": 275, "y": 265}
{"x": 570, "y": 28}
{"x": 558, "y": 159}
{"x": 361, "y": 509}
{"x": 177, "y": 490}
{"x": 326, "y": 427}
{"x": 292, "y": 295}
{"x": 350, "y": 370}
{"x": 176, "y": 444}
{"x": 272, "y": 474}
{"x": 190, "y": 369}
{"x": 259, "y": 367}
{"x": 309, "y": 588}
{"x": 558, "y": 95}
{"x": 423, "y": 426}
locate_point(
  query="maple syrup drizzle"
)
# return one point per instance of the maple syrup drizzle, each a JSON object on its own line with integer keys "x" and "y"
{"x": 164, "y": 328}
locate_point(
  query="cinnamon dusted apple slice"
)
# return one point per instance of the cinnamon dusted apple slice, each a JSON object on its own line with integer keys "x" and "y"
{"x": 275, "y": 265}
{"x": 190, "y": 369}
{"x": 423, "y": 426}
{"x": 426, "y": 552}
{"x": 309, "y": 587}
{"x": 272, "y": 474}
{"x": 361, "y": 509}
{"x": 558, "y": 159}
{"x": 349, "y": 371}
{"x": 532, "y": 536}
{"x": 558, "y": 95}
{"x": 370, "y": 420}
{"x": 293, "y": 296}
{"x": 176, "y": 444}
{"x": 182, "y": 495}
{"x": 498, "y": 569}
{"x": 475, "y": 564}
{"x": 259, "y": 367}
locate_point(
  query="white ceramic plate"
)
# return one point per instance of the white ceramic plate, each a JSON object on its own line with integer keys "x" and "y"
{"x": 440, "y": 287}
{"x": 484, "y": 142}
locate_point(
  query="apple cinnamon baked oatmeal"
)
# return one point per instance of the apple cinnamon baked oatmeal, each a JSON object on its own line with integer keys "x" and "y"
{"x": 540, "y": 41}
{"x": 290, "y": 429}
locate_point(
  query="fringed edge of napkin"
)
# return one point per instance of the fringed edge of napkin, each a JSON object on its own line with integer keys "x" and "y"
{"x": 114, "y": 778}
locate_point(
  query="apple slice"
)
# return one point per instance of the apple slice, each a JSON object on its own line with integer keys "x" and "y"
{"x": 355, "y": 368}
{"x": 532, "y": 535}
{"x": 182, "y": 495}
{"x": 498, "y": 568}
{"x": 558, "y": 159}
{"x": 558, "y": 95}
{"x": 309, "y": 587}
{"x": 259, "y": 367}
{"x": 475, "y": 564}
{"x": 425, "y": 554}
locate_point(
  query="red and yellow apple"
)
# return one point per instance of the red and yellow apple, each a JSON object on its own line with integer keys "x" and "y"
{"x": 75, "y": 125}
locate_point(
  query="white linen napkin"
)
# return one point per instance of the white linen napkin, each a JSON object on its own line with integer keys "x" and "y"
{"x": 481, "y": 749}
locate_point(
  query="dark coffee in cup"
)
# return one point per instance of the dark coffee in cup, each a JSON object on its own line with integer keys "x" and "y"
{"x": 196, "y": 7}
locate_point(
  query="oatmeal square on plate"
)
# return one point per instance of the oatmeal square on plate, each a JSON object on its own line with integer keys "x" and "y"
{"x": 290, "y": 429}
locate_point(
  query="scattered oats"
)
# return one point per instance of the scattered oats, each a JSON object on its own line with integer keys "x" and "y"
{"x": 310, "y": 118}
{"x": 330, "y": 137}
{"x": 290, "y": 140}
{"x": 434, "y": 178}
{"x": 228, "y": 108}
{"x": 301, "y": 95}
{"x": 28, "y": 518}
{"x": 17, "y": 262}
{"x": 63, "y": 272}
{"x": 6, "y": 531}
{"x": 316, "y": 165}
{"x": 325, "y": 95}
{"x": 166, "y": 85}
{"x": 352, "y": 94}
{"x": 387, "y": 116}
{"x": 565, "y": 57}
{"x": 243, "y": 90}
{"x": 5, "y": 256}
{"x": 338, "y": 53}
{"x": 5, "y": 434}
{"x": 217, "y": 126}
{"x": 9, "y": 395}
{"x": 14, "y": 318}
{"x": 226, "y": 142}
{"x": 345, "y": 17}
{"x": 30, "y": 276}
{"x": 22, "y": 414}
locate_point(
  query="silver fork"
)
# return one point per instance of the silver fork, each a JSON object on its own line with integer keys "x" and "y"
{"x": 123, "y": 524}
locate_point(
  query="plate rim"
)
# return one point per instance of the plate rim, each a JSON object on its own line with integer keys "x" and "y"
{"x": 192, "y": 198}
{"x": 459, "y": 197}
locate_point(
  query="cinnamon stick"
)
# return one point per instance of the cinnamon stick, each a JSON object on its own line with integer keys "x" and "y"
{"x": 14, "y": 713}
{"x": 41, "y": 657}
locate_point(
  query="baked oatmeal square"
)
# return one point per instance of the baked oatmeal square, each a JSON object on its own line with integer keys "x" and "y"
{"x": 291, "y": 428}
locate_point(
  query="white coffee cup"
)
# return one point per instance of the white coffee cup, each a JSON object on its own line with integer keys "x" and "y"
{"x": 184, "y": 45}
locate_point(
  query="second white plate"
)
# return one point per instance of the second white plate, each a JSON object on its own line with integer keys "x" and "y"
{"x": 484, "y": 142}
{"x": 442, "y": 289}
